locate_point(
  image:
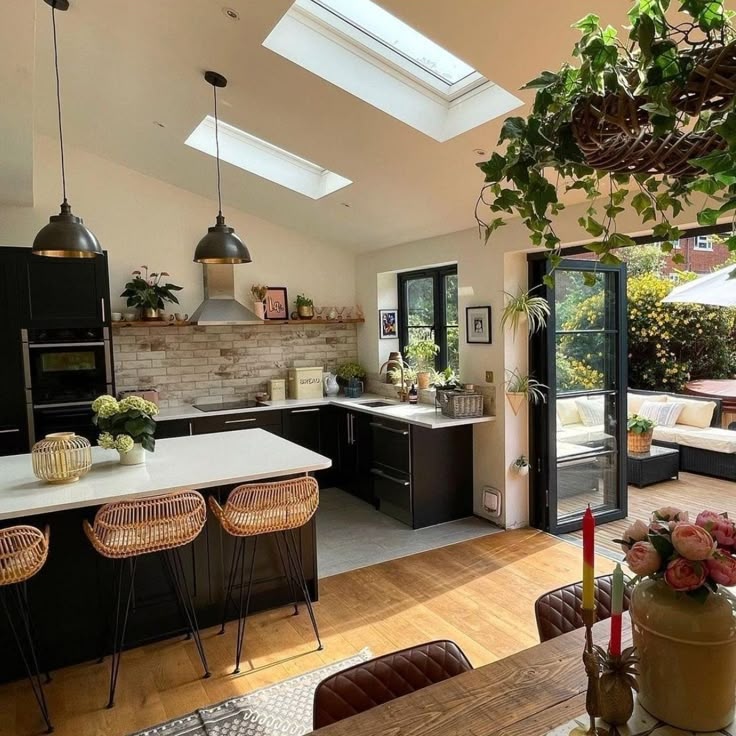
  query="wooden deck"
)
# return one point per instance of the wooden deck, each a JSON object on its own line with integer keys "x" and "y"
{"x": 691, "y": 492}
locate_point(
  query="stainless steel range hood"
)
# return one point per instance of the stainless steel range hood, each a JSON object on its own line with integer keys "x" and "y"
{"x": 220, "y": 306}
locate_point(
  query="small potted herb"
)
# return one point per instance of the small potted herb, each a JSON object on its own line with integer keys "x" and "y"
{"x": 258, "y": 292}
{"x": 521, "y": 465}
{"x": 521, "y": 389}
{"x": 446, "y": 380}
{"x": 422, "y": 354}
{"x": 304, "y": 307}
{"x": 640, "y": 430}
{"x": 146, "y": 292}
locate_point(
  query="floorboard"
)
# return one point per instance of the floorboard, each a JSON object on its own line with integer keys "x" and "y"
{"x": 479, "y": 593}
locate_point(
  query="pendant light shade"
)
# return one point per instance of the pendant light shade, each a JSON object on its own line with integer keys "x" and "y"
{"x": 65, "y": 236}
{"x": 221, "y": 244}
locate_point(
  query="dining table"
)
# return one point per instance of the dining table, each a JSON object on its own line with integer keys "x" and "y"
{"x": 526, "y": 694}
{"x": 719, "y": 388}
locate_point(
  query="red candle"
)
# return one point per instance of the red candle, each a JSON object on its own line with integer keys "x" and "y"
{"x": 588, "y": 560}
{"x": 617, "y": 605}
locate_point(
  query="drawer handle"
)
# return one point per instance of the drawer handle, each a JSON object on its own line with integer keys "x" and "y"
{"x": 9, "y": 431}
{"x": 386, "y": 476}
{"x": 378, "y": 425}
{"x": 239, "y": 421}
{"x": 304, "y": 411}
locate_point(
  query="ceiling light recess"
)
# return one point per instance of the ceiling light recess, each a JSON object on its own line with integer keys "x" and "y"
{"x": 361, "y": 48}
{"x": 263, "y": 159}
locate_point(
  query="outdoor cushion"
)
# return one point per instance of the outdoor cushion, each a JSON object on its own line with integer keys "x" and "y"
{"x": 709, "y": 438}
{"x": 590, "y": 410}
{"x": 663, "y": 414}
{"x": 695, "y": 413}
{"x": 568, "y": 449}
{"x": 567, "y": 411}
{"x": 580, "y": 434}
{"x": 636, "y": 400}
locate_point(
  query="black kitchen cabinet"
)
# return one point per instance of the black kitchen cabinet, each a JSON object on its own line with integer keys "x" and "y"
{"x": 303, "y": 427}
{"x": 355, "y": 455}
{"x": 13, "y": 419}
{"x": 65, "y": 292}
{"x": 166, "y": 428}
{"x": 268, "y": 420}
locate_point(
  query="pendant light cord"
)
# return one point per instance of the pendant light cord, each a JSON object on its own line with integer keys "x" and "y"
{"x": 217, "y": 150}
{"x": 58, "y": 103}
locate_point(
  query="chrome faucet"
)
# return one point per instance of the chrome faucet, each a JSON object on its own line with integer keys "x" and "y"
{"x": 403, "y": 393}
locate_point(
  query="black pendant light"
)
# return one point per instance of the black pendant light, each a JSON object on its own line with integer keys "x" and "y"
{"x": 221, "y": 244}
{"x": 65, "y": 236}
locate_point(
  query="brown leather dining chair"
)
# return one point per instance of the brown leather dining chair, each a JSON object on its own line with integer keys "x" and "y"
{"x": 366, "y": 685}
{"x": 558, "y": 611}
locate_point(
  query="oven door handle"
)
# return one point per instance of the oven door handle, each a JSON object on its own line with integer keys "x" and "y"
{"x": 75, "y": 407}
{"x": 36, "y": 345}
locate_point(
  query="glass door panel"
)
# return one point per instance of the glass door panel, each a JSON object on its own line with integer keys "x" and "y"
{"x": 451, "y": 321}
{"x": 579, "y": 434}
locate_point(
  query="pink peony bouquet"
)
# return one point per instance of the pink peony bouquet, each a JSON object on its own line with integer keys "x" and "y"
{"x": 693, "y": 558}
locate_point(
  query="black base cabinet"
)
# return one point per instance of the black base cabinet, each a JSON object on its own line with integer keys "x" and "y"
{"x": 71, "y": 597}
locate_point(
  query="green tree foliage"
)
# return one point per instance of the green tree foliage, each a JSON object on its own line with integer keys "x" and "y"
{"x": 669, "y": 344}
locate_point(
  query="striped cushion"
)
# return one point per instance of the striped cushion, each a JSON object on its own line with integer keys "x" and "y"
{"x": 663, "y": 415}
{"x": 591, "y": 411}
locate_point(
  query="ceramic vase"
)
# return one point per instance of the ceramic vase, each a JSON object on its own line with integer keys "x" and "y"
{"x": 136, "y": 456}
{"x": 687, "y": 651}
{"x": 150, "y": 313}
{"x": 423, "y": 379}
{"x": 259, "y": 308}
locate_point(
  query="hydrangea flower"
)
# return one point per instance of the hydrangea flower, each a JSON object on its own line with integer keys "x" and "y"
{"x": 124, "y": 443}
{"x": 101, "y": 401}
{"x": 106, "y": 441}
{"x": 137, "y": 403}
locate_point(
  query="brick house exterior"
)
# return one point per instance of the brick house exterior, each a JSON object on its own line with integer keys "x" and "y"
{"x": 702, "y": 255}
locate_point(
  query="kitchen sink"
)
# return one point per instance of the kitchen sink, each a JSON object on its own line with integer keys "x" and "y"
{"x": 377, "y": 404}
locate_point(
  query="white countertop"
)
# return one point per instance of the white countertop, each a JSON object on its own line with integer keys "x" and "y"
{"x": 201, "y": 461}
{"x": 422, "y": 415}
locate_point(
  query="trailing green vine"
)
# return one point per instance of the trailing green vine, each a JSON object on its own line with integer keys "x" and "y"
{"x": 543, "y": 159}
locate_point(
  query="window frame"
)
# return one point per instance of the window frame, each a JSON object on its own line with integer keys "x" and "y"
{"x": 439, "y": 327}
{"x": 703, "y": 243}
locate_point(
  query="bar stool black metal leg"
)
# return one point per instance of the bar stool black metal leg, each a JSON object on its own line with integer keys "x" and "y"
{"x": 185, "y": 603}
{"x": 287, "y": 574}
{"x": 172, "y": 585}
{"x": 243, "y": 614}
{"x": 230, "y": 582}
{"x": 293, "y": 552}
{"x": 40, "y": 644}
{"x": 120, "y": 625}
{"x": 26, "y": 650}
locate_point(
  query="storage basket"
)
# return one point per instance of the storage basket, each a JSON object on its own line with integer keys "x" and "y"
{"x": 460, "y": 404}
{"x": 640, "y": 443}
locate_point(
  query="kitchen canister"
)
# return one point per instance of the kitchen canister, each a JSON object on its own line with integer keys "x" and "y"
{"x": 305, "y": 383}
{"x": 277, "y": 389}
{"x": 61, "y": 457}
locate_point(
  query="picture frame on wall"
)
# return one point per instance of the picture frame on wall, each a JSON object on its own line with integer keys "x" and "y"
{"x": 276, "y": 303}
{"x": 478, "y": 325}
{"x": 388, "y": 320}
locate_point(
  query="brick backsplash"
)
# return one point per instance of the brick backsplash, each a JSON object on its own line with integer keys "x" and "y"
{"x": 196, "y": 363}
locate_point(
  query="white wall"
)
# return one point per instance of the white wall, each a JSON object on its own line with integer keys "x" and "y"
{"x": 142, "y": 220}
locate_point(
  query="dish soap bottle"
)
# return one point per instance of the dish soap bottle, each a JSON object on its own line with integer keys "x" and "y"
{"x": 413, "y": 394}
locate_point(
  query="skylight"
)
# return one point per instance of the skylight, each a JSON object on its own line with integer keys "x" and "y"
{"x": 363, "y": 49}
{"x": 379, "y": 23}
{"x": 263, "y": 159}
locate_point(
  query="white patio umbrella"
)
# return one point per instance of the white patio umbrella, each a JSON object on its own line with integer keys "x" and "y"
{"x": 717, "y": 288}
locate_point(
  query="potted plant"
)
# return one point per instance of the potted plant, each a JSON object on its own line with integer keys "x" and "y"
{"x": 258, "y": 292}
{"x": 521, "y": 465}
{"x": 522, "y": 389}
{"x": 304, "y": 307}
{"x": 683, "y": 617}
{"x": 523, "y": 306}
{"x": 126, "y": 426}
{"x": 640, "y": 429}
{"x": 422, "y": 353}
{"x": 347, "y": 371}
{"x": 146, "y": 292}
{"x": 445, "y": 380}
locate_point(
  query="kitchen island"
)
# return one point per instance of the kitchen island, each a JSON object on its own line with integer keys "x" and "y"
{"x": 71, "y": 595}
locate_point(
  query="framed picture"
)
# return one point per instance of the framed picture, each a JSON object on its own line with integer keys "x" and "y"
{"x": 277, "y": 303}
{"x": 478, "y": 325}
{"x": 389, "y": 321}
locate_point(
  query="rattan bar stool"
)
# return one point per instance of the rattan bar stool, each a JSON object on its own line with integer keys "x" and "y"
{"x": 255, "y": 509}
{"x": 23, "y": 552}
{"x": 125, "y": 530}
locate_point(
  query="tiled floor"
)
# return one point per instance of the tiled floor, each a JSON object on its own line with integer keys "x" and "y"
{"x": 352, "y": 534}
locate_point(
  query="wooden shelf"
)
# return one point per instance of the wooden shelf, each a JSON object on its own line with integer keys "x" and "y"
{"x": 266, "y": 323}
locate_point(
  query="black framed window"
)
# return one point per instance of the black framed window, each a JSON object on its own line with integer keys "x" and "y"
{"x": 428, "y": 311}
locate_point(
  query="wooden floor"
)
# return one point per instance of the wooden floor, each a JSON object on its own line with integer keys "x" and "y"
{"x": 691, "y": 493}
{"x": 479, "y": 593}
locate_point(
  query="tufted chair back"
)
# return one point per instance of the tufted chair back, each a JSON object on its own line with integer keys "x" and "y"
{"x": 369, "y": 684}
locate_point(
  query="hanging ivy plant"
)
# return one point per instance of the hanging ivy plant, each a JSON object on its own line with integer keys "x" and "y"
{"x": 647, "y": 123}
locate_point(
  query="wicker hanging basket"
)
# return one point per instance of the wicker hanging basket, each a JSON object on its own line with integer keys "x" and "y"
{"x": 614, "y": 134}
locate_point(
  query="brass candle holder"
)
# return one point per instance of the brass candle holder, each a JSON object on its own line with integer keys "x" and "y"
{"x": 592, "y": 663}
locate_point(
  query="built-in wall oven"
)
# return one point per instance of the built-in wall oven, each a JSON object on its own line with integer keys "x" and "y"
{"x": 64, "y": 370}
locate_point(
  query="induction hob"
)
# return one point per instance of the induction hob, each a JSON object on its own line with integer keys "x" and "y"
{"x": 226, "y": 405}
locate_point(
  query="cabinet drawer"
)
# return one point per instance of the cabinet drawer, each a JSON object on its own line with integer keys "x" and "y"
{"x": 270, "y": 420}
{"x": 166, "y": 428}
{"x": 391, "y": 444}
{"x": 393, "y": 491}
{"x": 13, "y": 440}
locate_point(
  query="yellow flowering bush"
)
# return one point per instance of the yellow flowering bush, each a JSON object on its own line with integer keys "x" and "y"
{"x": 124, "y": 423}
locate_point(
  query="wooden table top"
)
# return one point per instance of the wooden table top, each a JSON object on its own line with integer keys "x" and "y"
{"x": 527, "y": 694}
{"x": 722, "y": 388}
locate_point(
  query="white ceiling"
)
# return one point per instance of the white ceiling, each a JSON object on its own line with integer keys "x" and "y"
{"x": 127, "y": 64}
